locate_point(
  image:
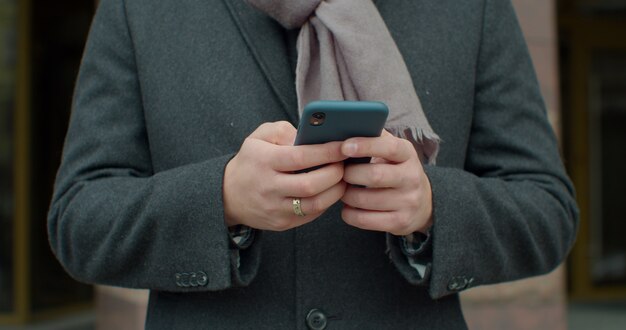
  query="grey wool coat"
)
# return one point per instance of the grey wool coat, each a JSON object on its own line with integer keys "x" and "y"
{"x": 169, "y": 89}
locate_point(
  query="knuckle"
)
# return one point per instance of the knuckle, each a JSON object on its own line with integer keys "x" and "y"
{"x": 345, "y": 216}
{"x": 301, "y": 188}
{"x": 405, "y": 222}
{"x": 297, "y": 157}
{"x": 402, "y": 221}
{"x": 283, "y": 124}
{"x": 315, "y": 206}
{"x": 408, "y": 147}
{"x": 406, "y": 143}
{"x": 395, "y": 146}
{"x": 357, "y": 219}
{"x": 396, "y": 218}
{"x": 348, "y": 216}
{"x": 248, "y": 145}
{"x": 377, "y": 175}
{"x": 262, "y": 130}
{"x": 360, "y": 199}
{"x": 256, "y": 150}
{"x": 413, "y": 179}
{"x": 413, "y": 198}
{"x": 263, "y": 126}
{"x": 283, "y": 127}
{"x": 337, "y": 172}
{"x": 306, "y": 188}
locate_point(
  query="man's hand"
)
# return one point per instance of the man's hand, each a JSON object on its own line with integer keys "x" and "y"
{"x": 398, "y": 197}
{"x": 259, "y": 183}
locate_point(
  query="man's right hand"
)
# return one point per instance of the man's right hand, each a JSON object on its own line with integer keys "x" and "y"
{"x": 259, "y": 183}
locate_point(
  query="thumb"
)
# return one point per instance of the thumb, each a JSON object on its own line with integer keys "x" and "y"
{"x": 280, "y": 133}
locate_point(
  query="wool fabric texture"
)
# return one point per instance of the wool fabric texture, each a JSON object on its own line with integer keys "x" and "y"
{"x": 345, "y": 52}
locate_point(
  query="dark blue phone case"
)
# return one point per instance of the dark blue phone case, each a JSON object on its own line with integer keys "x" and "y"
{"x": 342, "y": 120}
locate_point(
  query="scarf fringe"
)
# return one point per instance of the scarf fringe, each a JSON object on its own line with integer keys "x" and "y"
{"x": 426, "y": 142}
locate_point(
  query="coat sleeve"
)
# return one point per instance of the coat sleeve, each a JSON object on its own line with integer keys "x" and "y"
{"x": 113, "y": 220}
{"x": 510, "y": 213}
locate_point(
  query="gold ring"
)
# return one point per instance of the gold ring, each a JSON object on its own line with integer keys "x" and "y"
{"x": 297, "y": 207}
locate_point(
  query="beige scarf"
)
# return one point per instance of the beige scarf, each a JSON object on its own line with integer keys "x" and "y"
{"x": 345, "y": 52}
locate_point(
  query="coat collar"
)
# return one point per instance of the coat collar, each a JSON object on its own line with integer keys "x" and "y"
{"x": 266, "y": 41}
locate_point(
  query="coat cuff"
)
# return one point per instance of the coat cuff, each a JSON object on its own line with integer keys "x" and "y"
{"x": 412, "y": 258}
{"x": 245, "y": 256}
{"x": 241, "y": 236}
{"x": 416, "y": 243}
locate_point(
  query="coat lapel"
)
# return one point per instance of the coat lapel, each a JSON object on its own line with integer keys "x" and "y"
{"x": 266, "y": 41}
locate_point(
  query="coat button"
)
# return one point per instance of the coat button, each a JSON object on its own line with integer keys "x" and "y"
{"x": 193, "y": 280}
{"x": 202, "y": 278}
{"x": 458, "y": 283}
{"x": 184, "y": 280}
{"x": 316, "y": 320}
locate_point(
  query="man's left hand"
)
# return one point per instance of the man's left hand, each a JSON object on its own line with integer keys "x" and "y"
{"x": 398, "y": 197}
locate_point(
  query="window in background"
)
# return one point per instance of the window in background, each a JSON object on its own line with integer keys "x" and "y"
{"x": 58, "y": 33}
{"x": 605, "y": 6}
{"x": 592, "y": 36}
{"x": 607, "y": 134}
{"x": 7, "y": 102}
{"x": 41, "y": 43}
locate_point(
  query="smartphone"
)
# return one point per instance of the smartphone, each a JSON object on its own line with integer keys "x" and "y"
{"x": 326, "y": 121}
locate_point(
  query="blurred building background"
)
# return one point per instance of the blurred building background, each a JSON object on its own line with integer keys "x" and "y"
{"x": 579, "y": 51}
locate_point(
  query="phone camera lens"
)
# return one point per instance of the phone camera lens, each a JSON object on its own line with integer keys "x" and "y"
{"x": 317, "y": 118}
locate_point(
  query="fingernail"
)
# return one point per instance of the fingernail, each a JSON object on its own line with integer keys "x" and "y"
{"x": 349, "y": 148}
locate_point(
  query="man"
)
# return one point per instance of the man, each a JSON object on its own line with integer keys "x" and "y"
{"x": 177, "y": 174}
